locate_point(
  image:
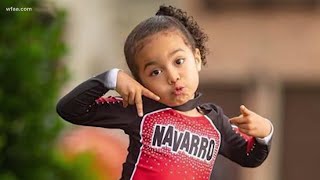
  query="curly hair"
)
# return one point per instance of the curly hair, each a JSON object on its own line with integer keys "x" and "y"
{"x": 166, "y": 18}
{"x": 191, "y": 25}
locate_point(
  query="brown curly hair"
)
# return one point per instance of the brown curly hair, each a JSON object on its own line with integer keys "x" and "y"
{"x": 166, "y": 18}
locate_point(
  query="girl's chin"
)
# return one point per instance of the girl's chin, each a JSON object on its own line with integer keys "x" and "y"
{"x": 176, "y": 102}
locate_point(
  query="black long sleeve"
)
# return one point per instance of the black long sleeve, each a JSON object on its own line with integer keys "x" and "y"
{"x": 239, "y": 147}
{"x": 84, "y": 106}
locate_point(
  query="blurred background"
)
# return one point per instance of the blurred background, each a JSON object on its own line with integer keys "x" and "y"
{"x": 264, "y": 54}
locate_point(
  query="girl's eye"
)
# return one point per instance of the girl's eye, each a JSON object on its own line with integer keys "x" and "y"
{"x": 180, "y": 61}
{"x": 155, "y": 72}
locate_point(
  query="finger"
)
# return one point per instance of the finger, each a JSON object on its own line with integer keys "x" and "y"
{"x": 139, "y": 105}
{"x": 124, "y": 101}
{"x": 131, "y": 98}
{"x": 238, "y": 120}
{"x": 234, "y": 120}
{"x": 245, "y": 131}
{"x": 150, "y": 94}
{"x": 244, "y": 111}
{"x": 246, "y": 127}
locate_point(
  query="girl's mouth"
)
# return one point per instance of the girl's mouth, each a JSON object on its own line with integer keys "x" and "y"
{"x": 178, "y": 91}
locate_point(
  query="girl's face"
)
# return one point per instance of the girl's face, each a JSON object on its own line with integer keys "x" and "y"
{"x": 169, "y": 68}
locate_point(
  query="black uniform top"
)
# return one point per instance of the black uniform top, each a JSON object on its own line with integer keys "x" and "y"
{"x": 164, "y": 144}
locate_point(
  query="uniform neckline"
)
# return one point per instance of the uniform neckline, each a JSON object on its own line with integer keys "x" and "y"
{"x": 191, "y": 104}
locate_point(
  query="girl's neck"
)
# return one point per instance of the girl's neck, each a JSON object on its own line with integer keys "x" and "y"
{"x": 192, "y": 113}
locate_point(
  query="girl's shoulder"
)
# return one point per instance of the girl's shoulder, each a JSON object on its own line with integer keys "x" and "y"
{"x": 211, "y": 109}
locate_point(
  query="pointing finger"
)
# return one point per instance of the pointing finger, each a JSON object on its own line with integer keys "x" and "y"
{"x": 139, "y": 105}
{"x": 238, "y": 120}
{"x": 245, "y": 126}
{"x": 234, "y": 120}
{"x": 150, "y": 94}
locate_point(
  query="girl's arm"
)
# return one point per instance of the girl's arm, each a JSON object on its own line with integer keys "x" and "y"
{"x": 84, "y": 105}
{"x": 246, "y": 150}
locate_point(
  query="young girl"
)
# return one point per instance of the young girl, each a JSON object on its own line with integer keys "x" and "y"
{"x": 172, "y": 135}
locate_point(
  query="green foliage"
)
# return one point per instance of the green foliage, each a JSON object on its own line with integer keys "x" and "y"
{"x": 31, "y": 74}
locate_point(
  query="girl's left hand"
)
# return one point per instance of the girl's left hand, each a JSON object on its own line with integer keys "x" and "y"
{"x": 251, "y": 123}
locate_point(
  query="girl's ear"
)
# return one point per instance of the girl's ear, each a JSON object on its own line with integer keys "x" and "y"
{"x": 197, "y": 57}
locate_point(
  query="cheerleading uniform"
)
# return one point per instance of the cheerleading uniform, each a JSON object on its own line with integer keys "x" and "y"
{"x": 164, "y": 144}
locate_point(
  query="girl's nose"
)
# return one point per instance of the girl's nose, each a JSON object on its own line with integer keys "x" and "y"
{"x": 173, "y": 77}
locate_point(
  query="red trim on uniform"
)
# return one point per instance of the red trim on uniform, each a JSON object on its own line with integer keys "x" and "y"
{"x": 110, "y": 99}
{"x": 249, "y": 139}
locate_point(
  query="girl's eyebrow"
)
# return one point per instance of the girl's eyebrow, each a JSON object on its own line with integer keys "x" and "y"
{"x": 175, "y": 51}
{"x": 153, "y": 62}
{"x": 149, "y": 64}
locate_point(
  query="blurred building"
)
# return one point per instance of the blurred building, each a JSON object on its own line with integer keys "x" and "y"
{"x": 264, "y": 53}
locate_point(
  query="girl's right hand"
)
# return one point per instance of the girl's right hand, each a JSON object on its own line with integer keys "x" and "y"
{"x": 132, "y": 91}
